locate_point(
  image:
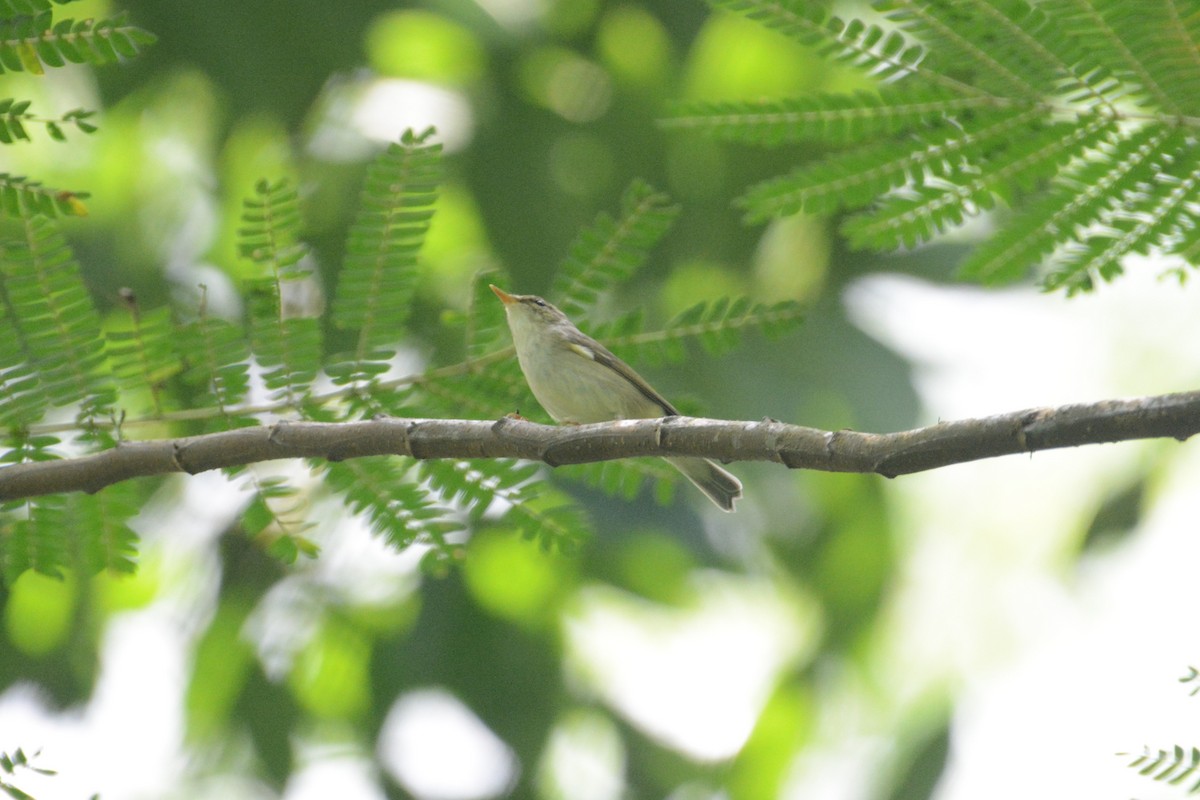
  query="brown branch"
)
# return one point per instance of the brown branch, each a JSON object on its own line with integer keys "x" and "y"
{"x": 888, "y": 454}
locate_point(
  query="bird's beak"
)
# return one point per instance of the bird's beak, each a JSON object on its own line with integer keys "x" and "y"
{"x": 504, "y": 296}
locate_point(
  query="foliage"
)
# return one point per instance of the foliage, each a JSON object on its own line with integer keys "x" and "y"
{"x": 178, "y": 361}
{"x": 15, "y": 117}
{"x": 375, "y": 290}
{"x": 1174, "y": 767}
{"x": 611, "y": 250}
{"x": 1177, "y": 766}
{"x": 1091, "y": 147}
{"x": 54, "y": 352}
{"x": 282, "y": 339}
{"x": 1192, "y": 677}
{"x": 10, "y": 765}
{"x": 51, "y": 327}
{"x": 285, "y": 338}
{"x": 221, "y": 361}
{"x": 32, "y": 40}
{"x": 718, "y": 326}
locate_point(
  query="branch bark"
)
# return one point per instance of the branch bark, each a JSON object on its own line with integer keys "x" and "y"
{"x": 888, "y": 454}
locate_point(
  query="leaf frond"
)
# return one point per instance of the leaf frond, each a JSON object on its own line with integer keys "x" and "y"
{"x": 25, "y": 393}
{"x": 611, "y": 249}
{"x": 220, "y": 364}
{"x": 485, "y": 327}
{"x": 22, "y": 198}
{"x": 287, "y": 348}
{"x": 836, "y": 118}
{"x": 467, "y": 394}
{"x": 142, "y": 351}
{"x": 25, "y": 8}
{"x": 101, "y": 523}
{"x": 270, "y": 232}
{"x": 487, "y": 393}
{"x": 399, "y": 509}
{"x": 1175, "y": 767}
{"x": 82, "y": 533}
{"x": 1075, "y": 203}
{"x": 718, "y": 326}
{"x": 1131, "y": 40}
{"x": 37, "y": 540}
{"x": 54, "y": 327}
{"x": 375, "y": 286}
{"x": 15, "y": 118}
{"x": 854, "y": 178}
{"x": 884, "y": 54}
{"x": 1150, "y": 216}
{"x": 538, "y": 512}
{"x": 286, "y": 344}
{"x": 992, "y": 45}
{"x": 981, "y": 79}
{"x": 275, "y": 517}
{"x": 904, "y": 219}
{"x": 1179, "y": 57}
{"x": 32, "y": 42}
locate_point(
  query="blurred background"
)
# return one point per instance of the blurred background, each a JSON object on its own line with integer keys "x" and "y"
{"x": 996, "y": 629}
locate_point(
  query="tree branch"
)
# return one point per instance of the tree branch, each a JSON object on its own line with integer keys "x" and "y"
{"x": 888, "y": 454}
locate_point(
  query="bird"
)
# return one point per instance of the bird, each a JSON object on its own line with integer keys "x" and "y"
{"x": 577, "y": 381}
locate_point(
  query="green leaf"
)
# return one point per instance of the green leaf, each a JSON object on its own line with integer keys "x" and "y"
{"x": 86, "y": 533}
{"x": 101, "y": 525}
{"x": 1005, "y": 46}
{"x": 717, "y": 325}
{"x": 1079, "y": 199}
{"x": 884, "y": 54}
{"x": 270, "y": 232}
{"x": 53, "y": 340}
{"x": 1173, "y": 767}
{"x": 285, "y": 342}
{"x": 839, "y": 119}
{"x": 39, "y": 539}
{"x": 376, "y": 283}
{"x": 29, "y": 41}
{"x": 143, "y": 352}
{"x": 21, "y": 197}
{"x": 287, "y": 348}
{"x": 957, "y": 125}
{"x": 485, "y": 327}
{"x": 906, "y": 218}
{"x": 1140, "y": 45}
{"x": 533, "y": 507}
{"x": 611, "y": 249}
{"x": 25, "y": 8}
{"x": 626, "y": 477}
{"x": 1151, "y": 216}
{"x": 486, "y": 393}
{"x": 220, "y": 362}
{"x": 854, "y": 178}
{"x": 396, "y": 506}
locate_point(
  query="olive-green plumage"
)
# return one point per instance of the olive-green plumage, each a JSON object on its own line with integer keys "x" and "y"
{"x": 578, "y": 380}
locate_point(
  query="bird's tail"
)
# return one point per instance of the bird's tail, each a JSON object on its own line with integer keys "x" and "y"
{"x": 719, "y": 484}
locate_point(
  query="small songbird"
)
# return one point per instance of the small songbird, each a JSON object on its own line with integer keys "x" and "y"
{"x": 577, "y": 380}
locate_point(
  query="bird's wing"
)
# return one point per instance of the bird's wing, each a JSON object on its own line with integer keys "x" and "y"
{"x": 602, "y": 355}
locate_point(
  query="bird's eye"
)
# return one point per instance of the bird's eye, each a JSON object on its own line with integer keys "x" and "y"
{"x": 537, "y": 301}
